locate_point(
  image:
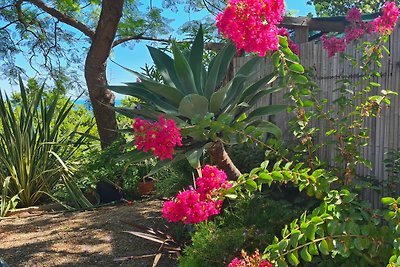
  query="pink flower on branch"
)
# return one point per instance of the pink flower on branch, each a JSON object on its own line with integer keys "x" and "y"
{"x": 254, "y": 260}
{"x": 385, "y": 24}
{"x": 197, "y": 205}
{"x": 160, "y": 137}
{"x": 357, "y": 28}
{"x": 252, "y": 24}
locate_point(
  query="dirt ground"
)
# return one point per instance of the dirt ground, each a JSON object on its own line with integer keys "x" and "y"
{"x": 89, "y": 238}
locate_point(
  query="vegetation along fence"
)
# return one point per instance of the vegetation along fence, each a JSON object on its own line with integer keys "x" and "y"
{"x": 384, "y": 131}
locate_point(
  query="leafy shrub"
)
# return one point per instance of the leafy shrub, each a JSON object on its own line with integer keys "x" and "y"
{"x": 254, "y": 155}
{"x": 173, "y": 179}
{"x": 34, "y": 151}
{"x": 248, "y": 223}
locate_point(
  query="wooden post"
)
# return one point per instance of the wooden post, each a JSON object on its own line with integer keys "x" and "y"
{"x": 301, "y": 34}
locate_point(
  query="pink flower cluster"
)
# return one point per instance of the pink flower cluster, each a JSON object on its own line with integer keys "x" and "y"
{"x": 252, "y": 24}
{"x": 254, "y": 260}
{"x": 160, "y": 137}
{"x": 333, "y": 44}
{"x": 383, "y": 24}
{"x": 197, "y": 205}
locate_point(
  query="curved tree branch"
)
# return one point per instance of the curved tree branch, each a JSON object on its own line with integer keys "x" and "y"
{"x": 63, "y": 18}
{"x": 139, "y": 37}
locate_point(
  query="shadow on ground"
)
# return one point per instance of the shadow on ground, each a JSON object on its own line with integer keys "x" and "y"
{"x": 90, "y": 238}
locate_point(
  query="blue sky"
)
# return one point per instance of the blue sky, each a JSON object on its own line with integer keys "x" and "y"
{"x": 139, "y": 56}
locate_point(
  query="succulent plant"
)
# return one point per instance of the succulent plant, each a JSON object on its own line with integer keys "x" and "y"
{"x": 211, "y": 111}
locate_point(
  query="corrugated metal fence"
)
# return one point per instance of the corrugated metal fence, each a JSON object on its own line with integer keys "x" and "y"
{"x": 384, "y": 133}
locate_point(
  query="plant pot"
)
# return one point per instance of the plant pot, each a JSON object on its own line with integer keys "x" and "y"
{"x": 146, "y": 187}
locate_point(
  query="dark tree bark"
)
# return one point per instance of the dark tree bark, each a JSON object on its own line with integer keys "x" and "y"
{"x": 95, "y": 70}
{"x": 223, "y": 161}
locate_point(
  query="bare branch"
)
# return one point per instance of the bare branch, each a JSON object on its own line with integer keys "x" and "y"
{"x": 63, "y": 17}
{"x": 4, "y": 7}
{"x": 9, "y": 24}
{"x": 139, "y": 37}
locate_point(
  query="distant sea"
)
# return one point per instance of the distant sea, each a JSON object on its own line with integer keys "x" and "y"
{"x": 86, "y": 102}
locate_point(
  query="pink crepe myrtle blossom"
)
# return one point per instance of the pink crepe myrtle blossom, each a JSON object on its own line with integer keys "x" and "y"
{"x": 160, "y": 137}
{"x": 196, "y": 205}
{"x": 252, "y": 24}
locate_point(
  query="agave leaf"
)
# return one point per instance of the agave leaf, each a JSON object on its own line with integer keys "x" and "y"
{"x": 241, "y": 76}
{"x": 218, "y": 97}
{"x": 193, "y": 105}
{"x": 218, "y": 68}
{"x": 138, "y": 90}
{"x": 171, "y": 94}
{"x": 196, "y": 60}
{"x": 165, "y": 65}
{"x": 268, "y": 127}
{"x": 253, "y": 100}
{"x": 183, "y": 71}
{"x": 266, "y": 111}
{"x": 193, "y": 156}
{"x": 234, "y": 90}
{"x": 255, "y": 87}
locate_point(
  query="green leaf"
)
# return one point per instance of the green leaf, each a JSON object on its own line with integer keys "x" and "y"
{"x": 305, "y": 255}
{"x": 282, "y": 245}
{"x": 265, "y": 177}
{"x": 243, "y": 74}
{"x": 218, "y": 97}
{"x": 183, "y": 71}
{"x": 292, "y": 259}
{"x": 313, "y": 249}
{"x": 269, "y": 127}
{"x": 266, "y": 111}
{"x": 277, "y": 176}
{"x": 196, "y": 59}
{"x": 218, "y": 68}
{"x": 251, "y": 185}
{"x": 298, "y": 68}
{"x": 310, "y": 231}
{"x": 193, "y": 156}
{"x": 281, "y": 263}
{"x": 193, "y": 105}
{"x": 255, "y": 87}
{"x": 323, "y": 247}
{"x": 388, "y": 200}
{"x": 300, "y": 79}
{"x": 361, "y": 243}
{"x": 146, "y": 96}
{"x": 165, "y": 65}
{"x": 171, "y": 94}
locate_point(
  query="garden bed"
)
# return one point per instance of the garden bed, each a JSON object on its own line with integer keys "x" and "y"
{"x": 90, "y": 238}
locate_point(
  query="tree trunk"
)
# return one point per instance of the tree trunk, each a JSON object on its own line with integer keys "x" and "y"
{"x": 95, "y": 70}
{"x": 223, "y": 161}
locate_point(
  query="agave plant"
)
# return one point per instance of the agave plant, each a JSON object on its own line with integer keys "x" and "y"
{"x": 33, "y": 152}
{"x": 211, "y": 112}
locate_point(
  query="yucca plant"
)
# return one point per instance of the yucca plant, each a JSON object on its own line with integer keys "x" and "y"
{"x": 211, "y": 111}
{"x": 32, "y": 149}
{"x": 7, "y": 202}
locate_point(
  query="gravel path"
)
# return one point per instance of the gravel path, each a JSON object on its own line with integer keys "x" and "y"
{"x": 89, "y": 238}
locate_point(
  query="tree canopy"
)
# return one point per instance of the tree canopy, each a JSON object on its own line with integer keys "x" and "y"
{"x": 325, "y": 8}
{"x": 56, "y": 35}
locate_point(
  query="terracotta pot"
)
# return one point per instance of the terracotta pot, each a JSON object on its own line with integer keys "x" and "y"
{"x": 146, "y": 188}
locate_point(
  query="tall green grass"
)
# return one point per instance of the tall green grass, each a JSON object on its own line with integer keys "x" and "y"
{"x": 34, "y": 153}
